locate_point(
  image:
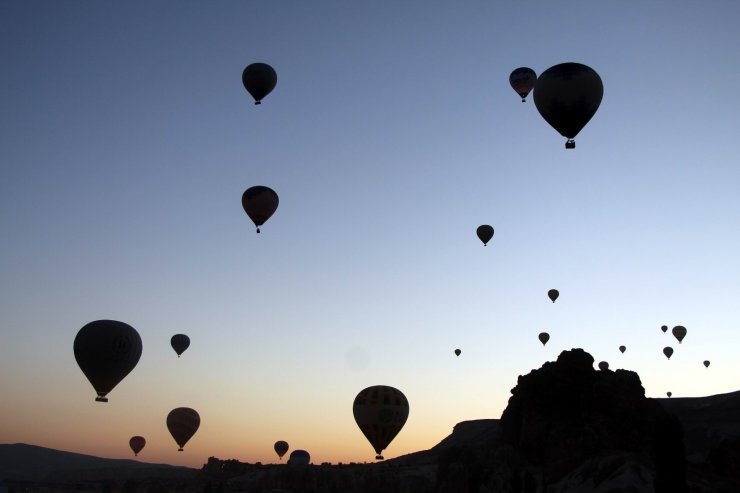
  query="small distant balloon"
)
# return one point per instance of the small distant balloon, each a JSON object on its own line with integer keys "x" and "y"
{"x": 522, "y": 80}
{"x": 183, "y": 422}
{"x": 603, "y": 366}
{"x": 260, "y": 203}
{"x": 457, "y": 352}
{"x": 259, "y": 80}
{"x": 679, "y": 332}
{"x": 668, "y": 351}
{"x": 669, "y": 394}
{"x": 136, "y": 443}
{"x": 180, "y": 342}
{"x": 485, "y": 233}
{"x": 281, "y": 447}
{"x": 664, "y": 328}
{"x": 622, "y": 349}
{"x": 544, "y": 337}
{"x": 706, "y": 363}
{"x": 553, "y": 294}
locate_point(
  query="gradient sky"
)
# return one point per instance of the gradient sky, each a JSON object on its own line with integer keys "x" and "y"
{"x": 127, "y": 139}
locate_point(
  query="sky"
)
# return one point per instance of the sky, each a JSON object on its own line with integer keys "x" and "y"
{"x": 127, "y": 140}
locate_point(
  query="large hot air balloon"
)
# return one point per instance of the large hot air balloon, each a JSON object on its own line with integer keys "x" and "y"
{"x": 679, "y": 332}
{"x": 668, "y": 351}
{"x": 485, "y": 233}
{"x": 259, "y": 203}
{"x": 553, "y": 294}
{"x": 259, "y": 80}
{"x": 281, "y": 447}
{"x": 622, "y": 349}
{"x": 106, "y": 351}
{"x": 706, "y": 363}
{"x": 522, "y": 80}
{"x": 137, "y": 443}
{"x": 299, "y": 457}
{"x": 457, "y": 352}
{"x": 544, "y": 337}
{"x": 664, "y": 328}
{"x": 183, "y": 422}
{"x": 380, "y": 411}
{"x": 567, "y": 96}
{"x": 669, "y": 394}
{"x": 180, "y": 342}
{"x": 603, "y": 366}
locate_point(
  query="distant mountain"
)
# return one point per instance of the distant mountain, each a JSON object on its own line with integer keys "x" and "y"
{"x": 33, "y": 463}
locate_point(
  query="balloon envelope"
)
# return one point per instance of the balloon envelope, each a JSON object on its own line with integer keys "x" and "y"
{"x": 485, "y": 233}
{"x": 522, "y": 80}
{"x": 180, "y": 342}
{"x": 107, "y": 351}
{"x": 679, "y": 332}
{"x": 259, "y": 203}
{"x": 553, "y": 294}
{"x": 603, "y": 366}
{"x": 300, "y": 457}
{"x": 281, "y": 447}
{"x": 137, "y": 443}
{"x": 259, "y": 80}
{"x": 183, "y": 422}
{"x": 567, "y": 96}
{"x": 664, "y": 328}
{"x": 706, "y": 363}
{"x": 380, "y": 412}
{"x": 457, "y": 352}
{"x": 544, "y": 337}
{"x": 668, "y": 351}
{"x": 669, "y": 394}
{"x": 622, "y": 349}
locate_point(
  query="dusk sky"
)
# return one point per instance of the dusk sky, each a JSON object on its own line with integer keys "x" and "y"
{"x": 127, "y": 140}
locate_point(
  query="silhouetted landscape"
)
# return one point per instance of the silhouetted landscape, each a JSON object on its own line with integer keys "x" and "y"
{"x": 567, "y": 428}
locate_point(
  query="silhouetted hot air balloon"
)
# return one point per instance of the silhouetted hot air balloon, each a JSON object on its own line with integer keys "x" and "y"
{"x": 603, "y": 366}
{"x": 259, "y": 80}
{"x": 706, "y": 363}
{"x": 380, "y": 411}
{"x": 553, "y": 294}
{"x": 180, "y": 342}
{"x": 485, "y": 233}
{"x": 281, "y": 447}
{"x": 183, "y": 422}
{"x": 669, "y": 394}
{"x": 299, "y": 457}
{"x": 567, "y": 96}
{"x": 137, "y": 443}
{"x": 679, "y": 332}
{"x": 622, "y": 349}
{"x": 457, "y": 352}
{"x": 664, "y": 328}
{"x": 522, "y": 80}
{"x": 259, "y": 203}
{"x": 544, "y": 337}
{"x": 668, "y": 351}
{"x": 106, "y": 351}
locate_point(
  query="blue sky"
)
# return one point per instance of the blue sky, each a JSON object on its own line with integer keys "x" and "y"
{"x": 127, "y": 139}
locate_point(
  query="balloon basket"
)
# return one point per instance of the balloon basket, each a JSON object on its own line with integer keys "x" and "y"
{"x": 378, "y": 457}
{"x": 100, "y": 398}
{"x": 571, "y": 144}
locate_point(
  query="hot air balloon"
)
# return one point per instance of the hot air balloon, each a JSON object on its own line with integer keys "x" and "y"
{"x": 106, "y": 351}
{"x": 603, "y": 366}
{"x": 706, "y": 363}
{"x": 567, "y": 96}
{"x": 137, "y": 443}
{"x": 522, "y": 80}
{"x": 457, "y": 352}
{"x": 669, "y": 394}
{"x": 180, "y": 342}
{"x": 259, "y": 80}
{"x": 259, "y": 203}
{"x": 485, "y": 233}
{"x": 668, "y": 351}
{"x": 544, "y": 337}
{"x": 281, "y": 447}
{"x": 380, "y": 411}
{"x": 553, "y": 294}
{"x": 664, "y": 328}
{"x": 183, "y": 422}
{"x": 622, "y": 349}
{"x": 679, "y": 332}
{"x": 299, "y": 457}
